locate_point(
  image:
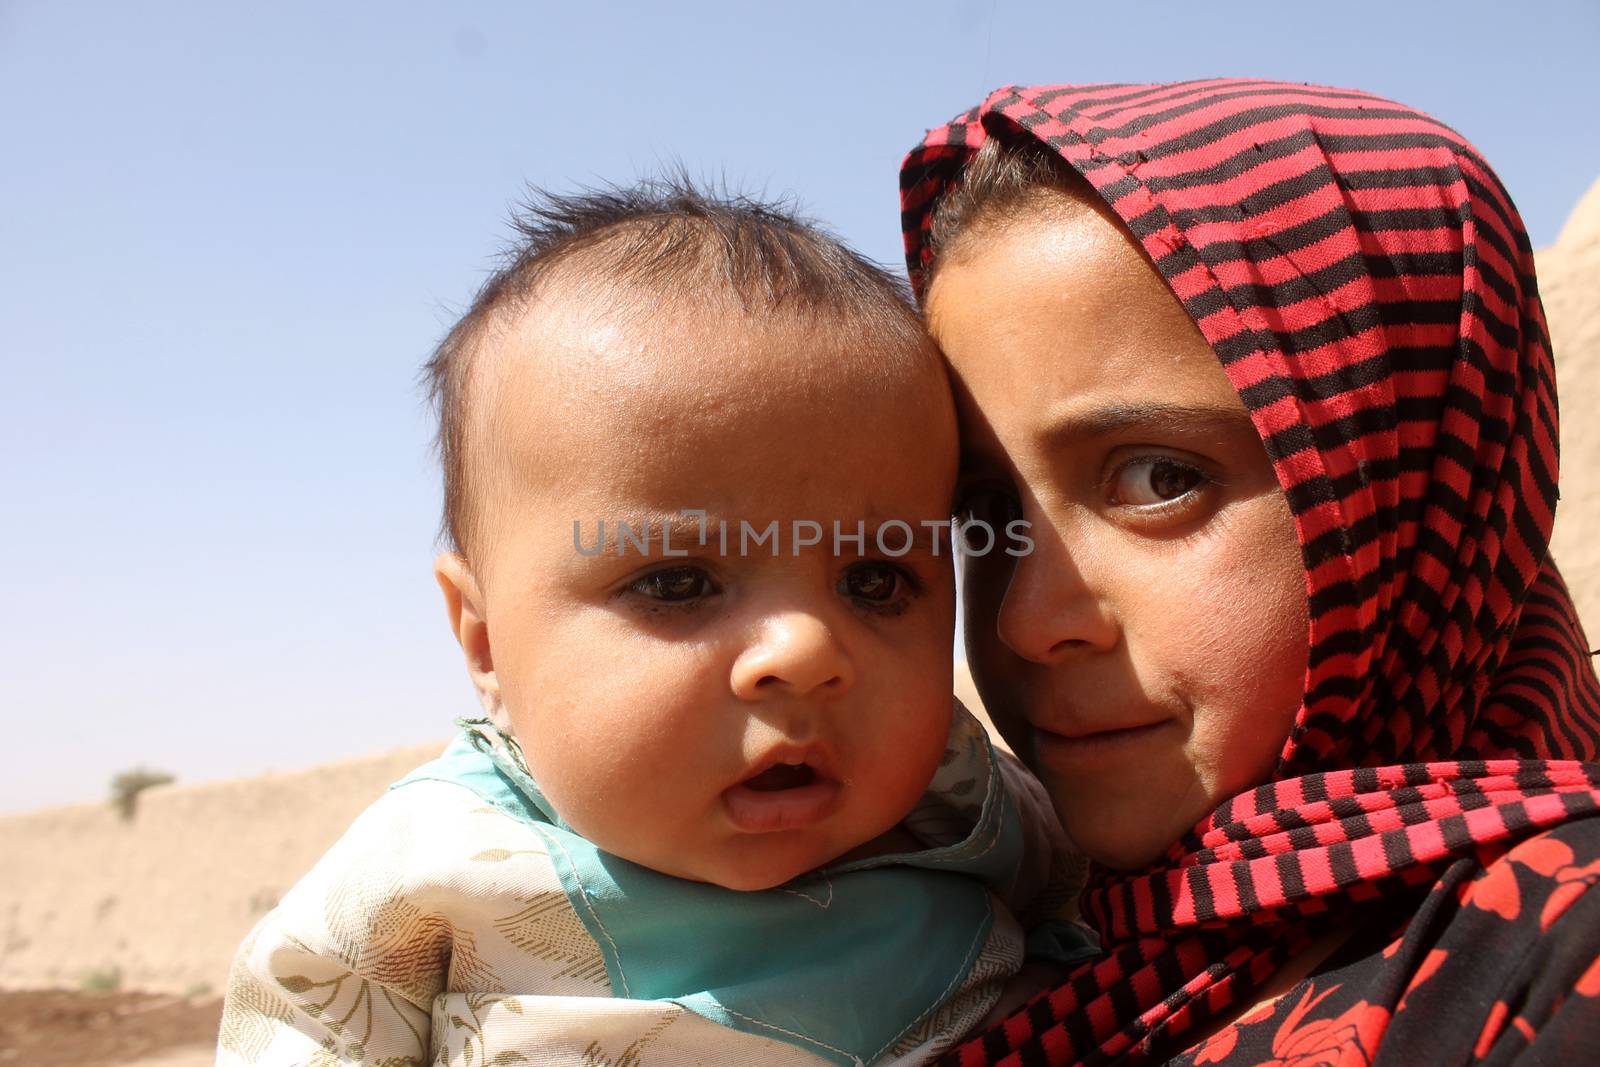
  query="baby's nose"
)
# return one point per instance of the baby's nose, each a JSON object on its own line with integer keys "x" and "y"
{"x": 793, "y": 654}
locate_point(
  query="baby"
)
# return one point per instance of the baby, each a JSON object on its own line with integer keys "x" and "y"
{"x": 699, "y": 460}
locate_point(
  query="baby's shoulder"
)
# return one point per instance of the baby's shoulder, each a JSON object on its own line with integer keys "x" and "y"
{"x": 433, "y": 888}
{"x": 438, "y": 842}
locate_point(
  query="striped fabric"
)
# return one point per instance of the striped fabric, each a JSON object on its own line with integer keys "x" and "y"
{"x": 1369, "y": 288}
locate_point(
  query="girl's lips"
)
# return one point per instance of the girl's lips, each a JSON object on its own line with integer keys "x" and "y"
{"x": 1059, "y": 749}
{"x": 763, "y": 811}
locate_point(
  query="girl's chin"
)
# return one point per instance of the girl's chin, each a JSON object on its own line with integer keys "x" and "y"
{"x": 1125, "y": 855}
{"x": 1125, "y": 836}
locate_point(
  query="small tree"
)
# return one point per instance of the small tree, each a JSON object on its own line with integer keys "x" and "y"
{"x": 104, "y": 980}
{"x": 126, "y": 787}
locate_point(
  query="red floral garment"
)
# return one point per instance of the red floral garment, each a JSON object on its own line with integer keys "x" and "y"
{"x": 1494, "y": 965}
{"x": 1368, "y": 288}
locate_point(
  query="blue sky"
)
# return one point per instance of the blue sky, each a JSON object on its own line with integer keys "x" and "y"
{"x": 231, "y": 235}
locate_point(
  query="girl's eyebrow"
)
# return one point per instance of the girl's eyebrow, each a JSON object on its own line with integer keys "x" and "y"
{"x": 1186, "y": 419}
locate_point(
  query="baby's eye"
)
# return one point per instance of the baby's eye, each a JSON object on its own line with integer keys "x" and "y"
{"x": 1152, "y": 480}
{"x": 674, "y": 585}
{"x": 872, "y": 583}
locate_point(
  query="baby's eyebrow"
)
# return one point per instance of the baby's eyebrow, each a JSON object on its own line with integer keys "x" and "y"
{"x": 1155, "y": 417}
{"x": 682, "y": 529}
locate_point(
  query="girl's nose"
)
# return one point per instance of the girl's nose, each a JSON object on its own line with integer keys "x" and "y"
{"x": 1050, "y": 609}
{"x": 793, "y": 654}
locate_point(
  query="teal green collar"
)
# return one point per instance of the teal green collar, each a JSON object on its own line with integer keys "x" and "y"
{"x": 843, "y": 961}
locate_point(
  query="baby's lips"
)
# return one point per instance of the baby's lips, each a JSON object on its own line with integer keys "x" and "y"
{"x": 761, "y": 811}
{"x": 817, "y": 757}
{"x": 781, "y": 776}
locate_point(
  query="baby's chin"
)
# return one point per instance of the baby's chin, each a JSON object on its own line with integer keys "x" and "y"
{"x": 756, "y": 865}
{"x": 753, "y": 877}
{"x": 751, "y": 882}
{"x": 756, "y": 877}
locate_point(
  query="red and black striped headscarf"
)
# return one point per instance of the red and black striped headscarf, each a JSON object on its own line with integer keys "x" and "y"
{"x": 1367, "y": 285}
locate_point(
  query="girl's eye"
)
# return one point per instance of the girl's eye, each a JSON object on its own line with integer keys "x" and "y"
{"x": 874, "y": 583}
{"x": 993, "y": 504}
{"x": 1154, "y": 480}
{"x": 990, "y": 503}
{"x": 674, "y": 585}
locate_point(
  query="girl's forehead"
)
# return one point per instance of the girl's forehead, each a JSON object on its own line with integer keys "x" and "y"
{"x": 1066, "y": 316}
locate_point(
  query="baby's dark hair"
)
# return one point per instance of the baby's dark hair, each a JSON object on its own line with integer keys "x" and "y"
{"x": 1005, "y": 177}
{"x": 663, "y": 235}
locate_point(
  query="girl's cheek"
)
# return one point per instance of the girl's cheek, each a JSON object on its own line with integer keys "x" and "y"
{"x": 1238, "y": 639}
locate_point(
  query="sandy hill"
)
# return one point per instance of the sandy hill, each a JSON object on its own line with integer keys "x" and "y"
{"x": 1569, "y": 281}
{"x": 161, "y": 901}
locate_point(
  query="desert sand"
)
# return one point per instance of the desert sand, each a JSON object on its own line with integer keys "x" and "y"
{"x": 69, "y": 1029}
{"x": 1569, "y": 282}
{"x": 159, "y": 902}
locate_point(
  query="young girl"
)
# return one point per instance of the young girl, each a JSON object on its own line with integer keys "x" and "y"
{"x": 1265, "y": 367}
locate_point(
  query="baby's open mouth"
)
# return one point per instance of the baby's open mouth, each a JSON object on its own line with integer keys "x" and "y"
{"x": 785, "y": 796}
{"x": 781, "y": 776}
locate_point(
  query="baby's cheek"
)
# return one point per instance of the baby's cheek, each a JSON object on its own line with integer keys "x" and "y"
{"x": 583, "y": 761}
{"x": 909, "y": 752}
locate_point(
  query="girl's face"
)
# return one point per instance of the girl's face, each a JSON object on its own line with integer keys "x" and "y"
{"x": 1148, "y": 658}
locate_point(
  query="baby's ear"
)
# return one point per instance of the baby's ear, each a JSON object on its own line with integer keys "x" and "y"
{"x": 463, "y": 603}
